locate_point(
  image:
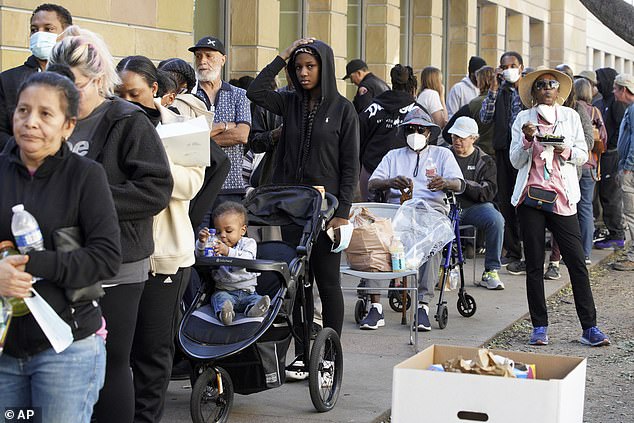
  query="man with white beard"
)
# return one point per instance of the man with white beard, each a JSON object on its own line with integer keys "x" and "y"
{"x": 232, "y": 114}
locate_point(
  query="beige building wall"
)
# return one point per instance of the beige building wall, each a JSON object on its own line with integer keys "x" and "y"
{"x": 157, "y": 29}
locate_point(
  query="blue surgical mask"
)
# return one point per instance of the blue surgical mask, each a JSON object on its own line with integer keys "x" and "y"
{"x": 41, "y": 44}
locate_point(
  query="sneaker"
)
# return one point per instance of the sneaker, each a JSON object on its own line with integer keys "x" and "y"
{"x": 491, "y": 280}
{"x": 226, "y": 313}
{"x": 296, "y": 371}
{"x": 624, "y": 266}
{"x": 608, "y": 244}
{"x": 539, "y": 336}
{"x": 517, "y": 267}
{"x": 594, "y": 337}
{"x": 588, "y": 261}
{"x": 260, "y": 308}
{"x": 600, "y": 234}
{"x": 373, "y": 320}
{"x": 507, "y": 260}
{"x": 552, "y": 273}
{"x": 424, "y": 325}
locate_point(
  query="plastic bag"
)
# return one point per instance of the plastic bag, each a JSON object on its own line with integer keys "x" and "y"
{"x": 422, "y": 230}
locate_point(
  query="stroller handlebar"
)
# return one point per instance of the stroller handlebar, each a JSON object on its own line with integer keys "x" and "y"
{"x": 332, "y": 204}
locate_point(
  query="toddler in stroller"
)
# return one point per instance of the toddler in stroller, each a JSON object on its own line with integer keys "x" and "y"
{"x": 235, "y": 286}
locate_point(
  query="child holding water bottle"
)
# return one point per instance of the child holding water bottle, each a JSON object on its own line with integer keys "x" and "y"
{"x": 235, "y": 286}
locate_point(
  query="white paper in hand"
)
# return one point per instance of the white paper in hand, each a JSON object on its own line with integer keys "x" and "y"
{"x": 187, "y": 143}
{"x": 56, "y": 330}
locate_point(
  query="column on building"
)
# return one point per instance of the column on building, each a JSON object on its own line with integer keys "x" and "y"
{"x": 598, "y": 59}
{"x": 538, "y": 44}
{"x": 492, "y": 33}
{"x": 427, "y": 34}
{"x": 618, "y": 64}
{"x": 568, "y": 34}
{"x": 518, "y": 35}
{"x": 255, "y": 28}
{"x": 382, "y": 36}
{"x": 462, "y": 39}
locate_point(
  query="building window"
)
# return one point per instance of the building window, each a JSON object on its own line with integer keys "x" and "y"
{"x": 211, "y": 18}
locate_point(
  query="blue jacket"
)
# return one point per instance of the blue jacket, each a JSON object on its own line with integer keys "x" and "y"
{"x": 625, "y": 145}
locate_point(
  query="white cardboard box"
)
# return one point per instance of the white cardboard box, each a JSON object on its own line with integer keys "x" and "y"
{"x": 420, "y": 395}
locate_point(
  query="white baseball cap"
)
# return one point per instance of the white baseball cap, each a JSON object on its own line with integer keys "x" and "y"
{"x": 464, "y": 126}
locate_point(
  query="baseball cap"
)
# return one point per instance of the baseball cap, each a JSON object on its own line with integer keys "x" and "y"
{"x": 353, "y": 66}
{"x": 590, "y": 75}
{"x": 625, "y": 80}
{"x": 210, "y": 42}
{"x": 464, "y": 127}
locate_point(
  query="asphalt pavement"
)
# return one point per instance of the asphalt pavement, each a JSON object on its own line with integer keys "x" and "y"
{"x": 369, "y": 356}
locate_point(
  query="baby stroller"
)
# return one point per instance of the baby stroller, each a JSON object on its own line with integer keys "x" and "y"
{"x": 249, "y": 355}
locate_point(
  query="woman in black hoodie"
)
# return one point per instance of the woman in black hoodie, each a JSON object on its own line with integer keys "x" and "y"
{"x": 319, "y": 145}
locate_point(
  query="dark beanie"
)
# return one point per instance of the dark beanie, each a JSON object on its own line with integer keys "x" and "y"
{"x": 475, "y": 63}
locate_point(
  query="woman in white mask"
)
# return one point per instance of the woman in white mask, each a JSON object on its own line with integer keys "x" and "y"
{"x": 547, "y": 144}
{"x": 428, "y": 170}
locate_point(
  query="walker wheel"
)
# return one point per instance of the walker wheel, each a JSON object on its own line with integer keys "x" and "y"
{"x": 396, "y": 301}
{"x": 359, "y": 311}
{"x": 443, "y": 316}
{"x": 466, "y": 305}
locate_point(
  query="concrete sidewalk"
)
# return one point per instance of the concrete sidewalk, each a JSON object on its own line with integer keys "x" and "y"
{"x": 369, "y": 356}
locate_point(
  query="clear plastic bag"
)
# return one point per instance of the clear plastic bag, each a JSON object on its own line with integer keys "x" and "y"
{"x": 422, "y": 230}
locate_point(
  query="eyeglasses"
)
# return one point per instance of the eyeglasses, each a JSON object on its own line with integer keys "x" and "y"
{"x": 410, "y": 129}
{"x": 543, "y": 84}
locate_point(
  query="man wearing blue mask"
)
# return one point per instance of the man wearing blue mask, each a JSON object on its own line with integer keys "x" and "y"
{"x": 47, "y": 22}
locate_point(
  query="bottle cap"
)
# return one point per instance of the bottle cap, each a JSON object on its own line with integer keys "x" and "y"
{"x": 7, "y": 245}
{"x": 17, "y": 208}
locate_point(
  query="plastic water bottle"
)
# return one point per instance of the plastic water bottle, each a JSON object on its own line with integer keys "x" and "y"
{"x": 26, "y": 230}
{"x": 454, "y": 277}
{"x": 430, "y": 168}
{"x": 397, "y": 251}
{"x": 212, "y": 241}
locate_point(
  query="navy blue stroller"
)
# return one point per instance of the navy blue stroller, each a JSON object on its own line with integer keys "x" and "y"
{"x": 249, "y": 355}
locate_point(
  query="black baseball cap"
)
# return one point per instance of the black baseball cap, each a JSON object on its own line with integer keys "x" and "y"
{"x": 209, "y": 42}
{"x": 353, "y": 66}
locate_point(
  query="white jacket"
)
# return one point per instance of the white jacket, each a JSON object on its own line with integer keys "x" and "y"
{"x": 569, "y": 125}
{"x": 174, "y": 238}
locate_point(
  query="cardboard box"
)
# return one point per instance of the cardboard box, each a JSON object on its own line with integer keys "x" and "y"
{"x": 420, "y": 395}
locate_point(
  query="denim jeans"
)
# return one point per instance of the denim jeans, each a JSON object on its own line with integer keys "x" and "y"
{"x": 64, "y": 386}
{"x": 241, "y": 300}
{"x": 585, "y": 210}
{"x": 486, "y": 218}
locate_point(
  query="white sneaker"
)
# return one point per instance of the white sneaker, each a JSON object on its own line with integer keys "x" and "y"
{"x": 296, "y": 371}
{"x": 491, "y": 280}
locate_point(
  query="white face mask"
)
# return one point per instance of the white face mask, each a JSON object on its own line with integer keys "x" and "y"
{"x": 41, "y": 44}
{"x": 549, "y": 113}
{"x": 511, "y": 75}
{"x": 416, "y": 141}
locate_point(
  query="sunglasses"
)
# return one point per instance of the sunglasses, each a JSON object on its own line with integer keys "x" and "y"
{"x": 543, "y": 84}
{"x": 410, "y": 129}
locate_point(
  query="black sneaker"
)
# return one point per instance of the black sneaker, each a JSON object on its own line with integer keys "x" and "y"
{"x": 552, "y": 273}
{"x": 424, "y": 325}
{"x": 517, "y": 267}
{"x": 373, "y": 320}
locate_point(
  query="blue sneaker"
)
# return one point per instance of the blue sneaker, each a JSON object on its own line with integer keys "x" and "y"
{"x": 424, "y": 325}
{"x": 594, "y": 337}
{"x": 539, "y": 336}
{"x": 608, "y": 244}
{"x": 373, "y": 320}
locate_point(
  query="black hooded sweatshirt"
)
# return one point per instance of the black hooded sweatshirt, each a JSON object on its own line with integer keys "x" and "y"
{"x": 329, "y": 157}
{"x": 378, "y": 124}
{"x": 611, "y": 109}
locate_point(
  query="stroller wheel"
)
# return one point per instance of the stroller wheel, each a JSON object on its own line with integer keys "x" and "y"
{"x": 396, "y": 301}
{"x": 325, "y": 370}
{"x": 212, "y": 396}
{"x": 359, "y": 311}
{"x": 466, "y": 305}
{"x": 443, "y": 316}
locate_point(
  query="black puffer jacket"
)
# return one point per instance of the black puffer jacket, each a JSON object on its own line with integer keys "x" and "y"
{"x": 330, "y": 156}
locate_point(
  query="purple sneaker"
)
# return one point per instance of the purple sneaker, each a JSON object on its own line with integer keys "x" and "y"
{"x": 539, "y": 336}
{"x": 594, "y": 337}
{"x": 608, "y": 244}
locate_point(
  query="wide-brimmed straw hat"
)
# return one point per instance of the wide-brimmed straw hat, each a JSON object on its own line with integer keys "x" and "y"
{"x": 526, "y": 85}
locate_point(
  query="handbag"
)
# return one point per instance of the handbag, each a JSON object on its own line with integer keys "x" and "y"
{"x": 598, "y": 147}
{"x": 66, "y": 240}
{"x": 540, "y": 199}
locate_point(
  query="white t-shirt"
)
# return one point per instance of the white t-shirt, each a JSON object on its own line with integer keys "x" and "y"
{"x": 430, "y": 100}
{"x": 402, "y": 162}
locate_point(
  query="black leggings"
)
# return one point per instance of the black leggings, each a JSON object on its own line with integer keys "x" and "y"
{"x": 116, "y": 399}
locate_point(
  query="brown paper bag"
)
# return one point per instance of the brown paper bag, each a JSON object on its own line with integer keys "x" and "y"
{"x": 369, "y": 249}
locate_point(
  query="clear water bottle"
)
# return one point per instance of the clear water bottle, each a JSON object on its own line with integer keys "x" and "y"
{"x": 430, "y": 168}
{"x": 26, "y": 230}
{"x": 454, "y": 277}
{"x": 397, "y": 251}
{"x": 212, "y": 241}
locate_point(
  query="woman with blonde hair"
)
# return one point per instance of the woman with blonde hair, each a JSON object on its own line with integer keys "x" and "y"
{"x": 432, "y": 95}
{"x": 119, "y": 136}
